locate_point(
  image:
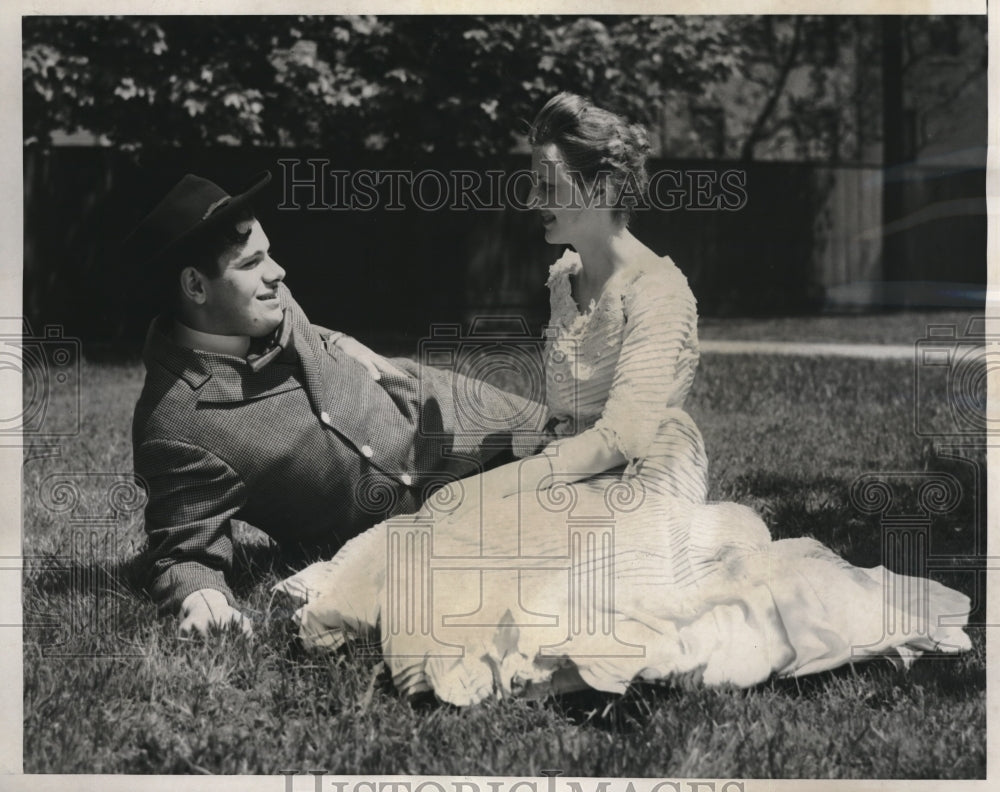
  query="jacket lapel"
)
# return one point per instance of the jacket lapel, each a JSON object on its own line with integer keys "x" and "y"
{"x": 356, "y": 406}
{"x": 217, "y": 378}
{"x": 237, "y": 383}
{"x": 333, "y": 386}
{"x": 341, "y": 393}
{"x": 182, "y": 362}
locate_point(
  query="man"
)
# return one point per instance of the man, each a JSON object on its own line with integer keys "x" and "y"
{"x": 249, "y": 412}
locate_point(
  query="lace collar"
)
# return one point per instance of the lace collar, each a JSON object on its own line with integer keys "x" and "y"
{"x": 564, "y": 308}
{"x": 568, "y": 264}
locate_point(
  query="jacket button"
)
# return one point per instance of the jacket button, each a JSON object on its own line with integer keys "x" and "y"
{"x": 325, "y": 417}
{"x": 366, "y": 451}
{"x": 407, "y": 479}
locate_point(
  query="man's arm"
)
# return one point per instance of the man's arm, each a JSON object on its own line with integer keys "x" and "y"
{"x": 375, "y": 364}
{"x": 192, "y": 497}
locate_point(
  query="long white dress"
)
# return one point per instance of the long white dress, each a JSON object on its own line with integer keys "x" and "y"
{"x": 625, "y": 576}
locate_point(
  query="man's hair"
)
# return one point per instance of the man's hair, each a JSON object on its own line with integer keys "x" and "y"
{"x": 207, "y": 252}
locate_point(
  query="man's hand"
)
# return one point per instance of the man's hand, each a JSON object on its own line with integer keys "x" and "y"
{"x": 204, "y": 609}
{"x": 375, "y": 363}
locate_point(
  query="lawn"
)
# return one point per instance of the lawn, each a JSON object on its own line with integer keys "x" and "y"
{"x": 890, "y": 327}
{"x": 110, "y": 688}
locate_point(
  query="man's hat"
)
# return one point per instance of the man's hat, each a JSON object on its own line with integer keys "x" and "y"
{"x": 194, "y": 206}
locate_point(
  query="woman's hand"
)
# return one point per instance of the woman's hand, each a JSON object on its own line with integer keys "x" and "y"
{"x": 375, "y": 363}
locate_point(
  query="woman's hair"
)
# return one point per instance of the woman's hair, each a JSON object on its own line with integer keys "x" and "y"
{"x": 595, "y": 143}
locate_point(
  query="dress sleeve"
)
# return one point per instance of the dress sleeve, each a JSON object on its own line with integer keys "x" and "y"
{"x": 657, "y": 362}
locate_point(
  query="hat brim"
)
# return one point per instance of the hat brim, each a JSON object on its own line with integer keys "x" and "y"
{"x": 215, "y": 218}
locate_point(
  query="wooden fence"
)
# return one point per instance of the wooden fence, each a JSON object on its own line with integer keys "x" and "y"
{"x": 802, "y": 238}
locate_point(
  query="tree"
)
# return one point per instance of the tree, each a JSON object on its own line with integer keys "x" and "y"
{"x": 415, "y": 84}
{"x": 812, "y": 87}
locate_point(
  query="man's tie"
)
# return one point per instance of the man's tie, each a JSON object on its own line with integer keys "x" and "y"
{"x": 264, "y": 350}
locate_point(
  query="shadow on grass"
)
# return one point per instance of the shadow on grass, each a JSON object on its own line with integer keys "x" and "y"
{"x": 874, "y": 684}
{"x": 55, "y": 574}
{"x": 642, "y": 701}
{"x": 829, "y": 510}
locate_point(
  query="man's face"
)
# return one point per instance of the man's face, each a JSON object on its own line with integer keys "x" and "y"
{"x": 243, "y": 299}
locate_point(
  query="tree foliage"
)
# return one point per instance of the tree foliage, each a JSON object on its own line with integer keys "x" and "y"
{"x": 769, "y": 86}
{"x": 419, "y": 83}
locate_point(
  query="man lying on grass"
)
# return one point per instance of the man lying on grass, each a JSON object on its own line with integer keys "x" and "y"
{"x": 249, "y": 412}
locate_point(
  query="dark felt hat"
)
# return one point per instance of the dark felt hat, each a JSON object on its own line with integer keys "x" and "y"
{"x": 194, "y": 206}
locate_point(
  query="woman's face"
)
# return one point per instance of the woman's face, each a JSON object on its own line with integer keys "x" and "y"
{"x": 560, "y": 201}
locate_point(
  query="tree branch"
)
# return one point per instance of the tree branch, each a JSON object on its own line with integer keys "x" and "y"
{"x": 757, "y": 131}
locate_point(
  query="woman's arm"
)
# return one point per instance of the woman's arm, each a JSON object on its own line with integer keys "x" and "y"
{"x": 562, "y": 462}
{"x": 655, "y": 370}
{"x": 656, "y": 365}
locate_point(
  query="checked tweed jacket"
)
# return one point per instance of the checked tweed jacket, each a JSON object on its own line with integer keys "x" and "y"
{"x": 309, "y": 449}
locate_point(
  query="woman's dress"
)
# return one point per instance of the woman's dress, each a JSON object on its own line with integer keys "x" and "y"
{"x": 624, "y": 576}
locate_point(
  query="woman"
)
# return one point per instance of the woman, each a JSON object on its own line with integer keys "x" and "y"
{"x": 598, "y": 561}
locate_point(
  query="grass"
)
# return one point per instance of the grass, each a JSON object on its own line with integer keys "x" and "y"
{"x": 787, "y": 436}
{"x": 888, "y": 327}
{"x": 891, "y": 327}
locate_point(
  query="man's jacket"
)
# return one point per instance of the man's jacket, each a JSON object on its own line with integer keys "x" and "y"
{"x": 309, "y": 449}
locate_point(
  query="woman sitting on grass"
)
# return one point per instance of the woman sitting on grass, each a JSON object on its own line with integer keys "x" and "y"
{"x": 598, "y": 562}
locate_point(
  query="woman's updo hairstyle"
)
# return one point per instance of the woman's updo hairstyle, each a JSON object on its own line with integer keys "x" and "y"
{"x": 593, "y": 141}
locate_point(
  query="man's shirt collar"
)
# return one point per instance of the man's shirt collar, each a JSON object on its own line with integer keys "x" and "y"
{"x": 198, "y": 366}
{"x": 185, "y": 336}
